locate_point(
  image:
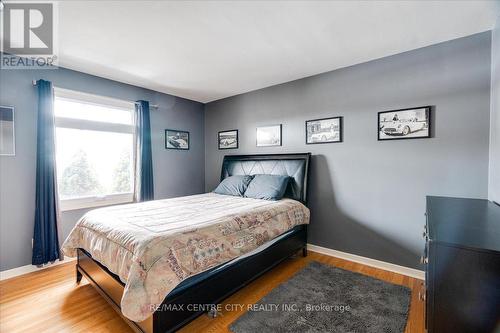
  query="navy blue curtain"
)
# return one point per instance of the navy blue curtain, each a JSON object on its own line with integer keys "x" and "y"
{"x": 45, "y": 235}
{"x": 144, "y": 163}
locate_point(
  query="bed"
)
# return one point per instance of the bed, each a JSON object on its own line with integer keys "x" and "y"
{"x": 194, "y": 278}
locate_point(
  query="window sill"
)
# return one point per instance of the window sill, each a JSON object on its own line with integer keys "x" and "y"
{"x": 94, "y": 202}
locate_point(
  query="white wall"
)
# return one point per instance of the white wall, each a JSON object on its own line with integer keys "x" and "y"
{"x": 494, "y": 169}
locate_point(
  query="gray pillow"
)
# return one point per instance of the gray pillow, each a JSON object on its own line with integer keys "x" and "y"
{"x": 268, "y": 187}
{"x": 234, "y": 185}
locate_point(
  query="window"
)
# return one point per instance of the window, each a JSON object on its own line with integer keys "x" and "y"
{"x": 94, "y": 148}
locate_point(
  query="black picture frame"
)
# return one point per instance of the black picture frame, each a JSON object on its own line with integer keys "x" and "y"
{"x": 171, "y": 143}
{"x": 269, "y": 145}
{"x": 341, "y": 130}
{"x": 228, "y": 131}
{"x": 8, "y": 119}
{"x": 402, "y": 136}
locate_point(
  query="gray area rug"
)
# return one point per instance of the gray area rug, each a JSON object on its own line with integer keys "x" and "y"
{"x": 322, "y": 298}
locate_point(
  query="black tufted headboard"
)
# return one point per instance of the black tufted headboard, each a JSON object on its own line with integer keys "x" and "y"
{"x": 294, "y": 165}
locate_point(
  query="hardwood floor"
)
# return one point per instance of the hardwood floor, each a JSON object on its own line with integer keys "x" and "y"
{"x": 51, "y": 301}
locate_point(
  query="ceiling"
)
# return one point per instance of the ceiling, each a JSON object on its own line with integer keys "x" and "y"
{"x": 208, "y": 50}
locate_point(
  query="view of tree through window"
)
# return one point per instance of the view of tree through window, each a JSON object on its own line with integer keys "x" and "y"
{"x": 121, "y": 173}
{"x": 94, "y": 150}
{"x": 79, "y": 178}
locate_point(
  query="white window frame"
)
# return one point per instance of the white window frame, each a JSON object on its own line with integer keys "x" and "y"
{"x": 62, "y": 122}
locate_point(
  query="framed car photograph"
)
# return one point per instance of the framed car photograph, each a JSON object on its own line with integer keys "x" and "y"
{"x": 176, "y": 139}
{"x": 268, "y": 136}
{"x": 411, "y": 123}
{"x": 228, "y": 139}
{"x": 325, "y": 130}
{"x": 7, "y": 135}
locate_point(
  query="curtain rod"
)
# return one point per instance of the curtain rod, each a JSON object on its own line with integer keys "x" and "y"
{"x": 153, "y": 106}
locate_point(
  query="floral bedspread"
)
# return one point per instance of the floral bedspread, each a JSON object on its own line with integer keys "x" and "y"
{"x": 153, "y": 246}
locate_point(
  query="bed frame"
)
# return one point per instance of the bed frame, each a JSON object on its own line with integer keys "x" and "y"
{"x": 182, "y": 307}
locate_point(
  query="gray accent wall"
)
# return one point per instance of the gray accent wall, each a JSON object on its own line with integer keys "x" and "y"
{"x": 368, "y": 197}
{"x": 494, "y": 176}
{"x": 176, "y": 173}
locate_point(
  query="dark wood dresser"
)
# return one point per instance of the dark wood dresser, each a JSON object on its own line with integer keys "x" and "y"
{"x": 462, "y": 265}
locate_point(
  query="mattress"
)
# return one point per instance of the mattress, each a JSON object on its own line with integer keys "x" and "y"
{"x": 153, "y": 246}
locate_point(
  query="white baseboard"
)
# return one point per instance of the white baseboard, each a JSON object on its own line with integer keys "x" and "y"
{"x": 10, "y": 273}
{"x": 415, "y": 273}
